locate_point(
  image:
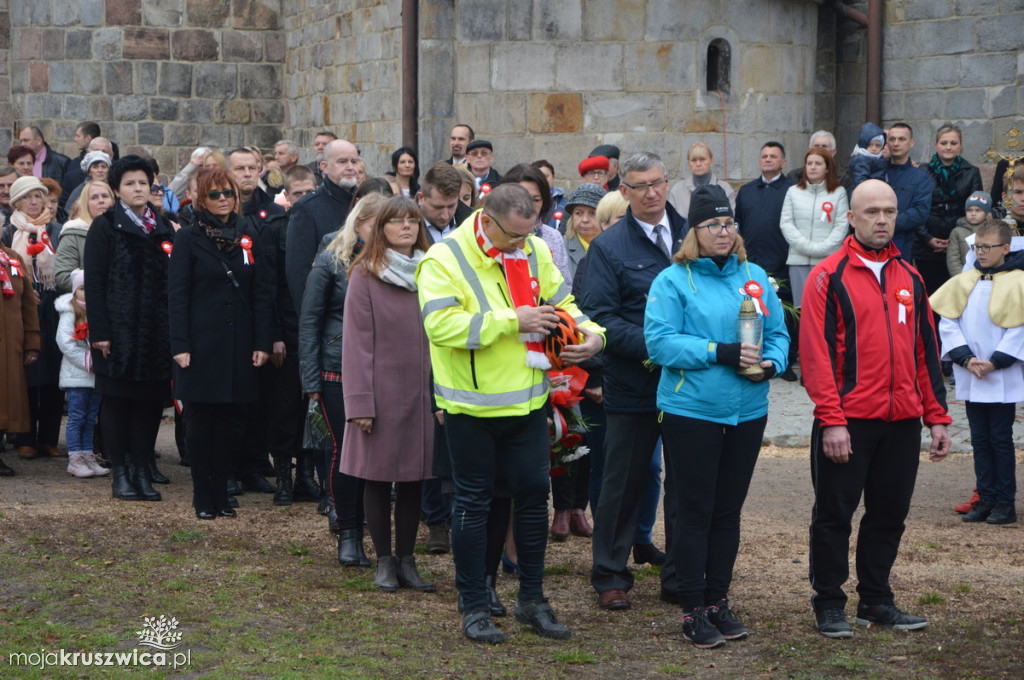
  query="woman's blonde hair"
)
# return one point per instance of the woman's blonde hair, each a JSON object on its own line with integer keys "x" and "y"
{"x": 610, "y": 206}
{"x": 81, "y": 207}
{"x": 949, "y": 127}
{"x": 343, "y": 245}
{"x": 467, "y": 178}
{"x": 690, "y": 250}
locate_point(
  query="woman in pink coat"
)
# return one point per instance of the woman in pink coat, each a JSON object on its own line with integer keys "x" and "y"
{"x": 386, "y": 366}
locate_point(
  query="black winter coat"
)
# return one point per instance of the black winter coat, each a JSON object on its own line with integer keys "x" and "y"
{"x": 946, "y": 210}
{"x": 126, "y": 276}
{"x": 311, "y": 218}
{"x": 759, "y": 210}
{"x": 320, "y": 322}
{"x": 621, "y": 265}
{"x": 220, "y": 312}
{"x": 270, "y": 221}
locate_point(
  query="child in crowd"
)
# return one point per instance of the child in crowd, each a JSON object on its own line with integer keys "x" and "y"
{"x": 77, "y": 379}
{"x": 979, "y": 209}
{"x": 982, "y": 332}
{"x": 867, "y": 161}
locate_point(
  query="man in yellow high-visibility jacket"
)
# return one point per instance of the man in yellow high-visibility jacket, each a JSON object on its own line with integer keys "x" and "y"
{"x": 486, "y": 293}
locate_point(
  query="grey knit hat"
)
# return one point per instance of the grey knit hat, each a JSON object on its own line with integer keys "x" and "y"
{"x": 979, "y": 199}
{"x": 585, "y": 194}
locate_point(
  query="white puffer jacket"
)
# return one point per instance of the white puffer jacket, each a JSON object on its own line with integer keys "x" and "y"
{"x": 75, "y": 367}
{"x": 806, "y": 226}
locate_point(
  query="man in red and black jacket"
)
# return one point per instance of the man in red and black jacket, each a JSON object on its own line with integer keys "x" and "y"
{"x": 870, "y": 356}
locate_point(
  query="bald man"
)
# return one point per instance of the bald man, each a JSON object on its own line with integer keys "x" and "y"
{"x": 870, "y": 360}
{"x": 320, "y": 212}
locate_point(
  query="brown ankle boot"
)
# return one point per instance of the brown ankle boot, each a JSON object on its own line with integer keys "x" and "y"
{"x": 560, "y": 525}
{"x": 579, "y": 525}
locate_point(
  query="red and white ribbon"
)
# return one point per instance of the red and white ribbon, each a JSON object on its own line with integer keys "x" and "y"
{"x": 904, "y": 299}
{"x": 826, "y": 211}
{"x": 167, "y": 247}
{"x": 246, "y": 244}
{"x": 754, "y": 290}
{"x": 44, "y": 238}
{"x": 15, "y": 267}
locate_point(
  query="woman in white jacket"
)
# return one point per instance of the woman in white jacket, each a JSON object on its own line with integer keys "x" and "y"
{"x": 813, "y": 219}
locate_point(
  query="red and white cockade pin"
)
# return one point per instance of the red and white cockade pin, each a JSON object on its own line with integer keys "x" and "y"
{"x": 826, "y": 211}
{"x": 485, "y": 189}
{"x": 44, "y": 238}
{"x": 167, "y": 247}
{"x": 755, "y": 290}
{"x": 263, "y": 214}
{"x": 905, "y": 299}
{"x": 246, "y": 244}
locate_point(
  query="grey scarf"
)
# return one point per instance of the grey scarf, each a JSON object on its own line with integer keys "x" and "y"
{"x": 401, "y": 270}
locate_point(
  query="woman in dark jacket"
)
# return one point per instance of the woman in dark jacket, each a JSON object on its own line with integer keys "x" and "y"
{"x": 320, "y": 341}
{"x": 220, "y": 287}
{"x": 126, "y": 276}
{"x": 955, "y": 180}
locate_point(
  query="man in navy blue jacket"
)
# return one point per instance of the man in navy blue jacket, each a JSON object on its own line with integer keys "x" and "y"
{"x": 913, "y": 188}
{"x": 621, "y": 265}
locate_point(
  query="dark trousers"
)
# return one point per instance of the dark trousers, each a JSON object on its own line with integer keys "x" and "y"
{"x": 130, "y": 427}
{"x": 882, "y": 467}
{"x": 435, "y": 505}
{"x": 571, "y": 491}
{"x": 45, "y": 407}
{"x": 514, "y": 449}
{"x": 712, "y": 465}
{"x": 286, "y": 407}
{"x": 628, "y": 447}
{"x": 992, "y": 441}
{"x": 210, "y": 429}
{"x": 346, "y": 490}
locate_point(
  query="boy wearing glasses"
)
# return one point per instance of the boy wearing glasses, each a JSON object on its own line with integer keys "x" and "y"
{"x": 982, "y": 332}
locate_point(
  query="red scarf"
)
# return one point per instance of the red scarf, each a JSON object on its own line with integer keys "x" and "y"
{"x": 5, "y": 275}
{"x": 524, "y": 289}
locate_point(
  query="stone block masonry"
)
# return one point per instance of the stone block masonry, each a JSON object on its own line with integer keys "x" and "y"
{"x": 159, "y": 76}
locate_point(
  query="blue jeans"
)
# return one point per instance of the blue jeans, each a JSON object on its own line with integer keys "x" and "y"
{"x": 515, "y": 449}
{"x": 992, "y": 441}
{"x": 83, "y": 409}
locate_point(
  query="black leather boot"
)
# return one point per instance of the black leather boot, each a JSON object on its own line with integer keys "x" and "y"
{"x": 409, "y": 577}
{"x": 253, "y": 481}
{"x": 283, "y": 469}
{"x": 140, "y": 479}
{"x": 364, "y": 561}
{"x": 120, "y": 485}
{"x": 332, "y": 517}
{"x": 387, "y": 576}
{"x": 350, "y": 545}
{"x": 155, "y": 474}
{"x": 305, "y": 489}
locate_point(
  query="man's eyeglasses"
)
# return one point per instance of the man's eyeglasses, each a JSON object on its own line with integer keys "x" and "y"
{"x": 226, "y": 193}
{"x": 716, "y": 229}
{"x": 983, "y": 249}
{"x": 643, "y": 188}
{"x": 512, "y": 238}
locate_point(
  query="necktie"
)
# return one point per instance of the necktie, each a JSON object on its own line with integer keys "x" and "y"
{"x": 659, "y": 240}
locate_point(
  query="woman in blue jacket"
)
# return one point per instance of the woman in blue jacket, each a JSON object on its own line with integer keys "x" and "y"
{"x": 712, "y": 417}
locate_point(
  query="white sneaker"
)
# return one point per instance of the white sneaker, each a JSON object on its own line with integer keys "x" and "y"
{"x": 78, "y": 467}
{"x": 97, "y": 469}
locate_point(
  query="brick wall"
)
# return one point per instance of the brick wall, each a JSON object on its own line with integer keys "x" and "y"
{"x": 162, "y": 76}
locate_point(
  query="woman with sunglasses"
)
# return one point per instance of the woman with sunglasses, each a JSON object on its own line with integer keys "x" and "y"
{"x": 712, "y": 416}
{"x": 219, "y": 293}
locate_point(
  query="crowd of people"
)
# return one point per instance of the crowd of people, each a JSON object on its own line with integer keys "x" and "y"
{"x": 446, "y": 345}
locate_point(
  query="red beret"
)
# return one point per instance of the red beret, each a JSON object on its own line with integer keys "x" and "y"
{"x": 593, "y": 163}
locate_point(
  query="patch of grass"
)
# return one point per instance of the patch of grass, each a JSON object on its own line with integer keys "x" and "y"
{"x": 557, "y": 570}
{"x": 931, "y": 598}
{"x": 964, "y": 588}
{"x": 575, "y": 657}
{"x": 187, "y": 536}
{"x": 933, "y": 546}
{"x": 647, "y": 572}
{"x": 671, "y": 669}
{"x": 298, "y": 550}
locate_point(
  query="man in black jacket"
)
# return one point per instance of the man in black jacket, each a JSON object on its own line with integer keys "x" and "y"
{"x": 621, "y": 265}
{"x": 319, "y": 213}
{"x": 53, "y": 163}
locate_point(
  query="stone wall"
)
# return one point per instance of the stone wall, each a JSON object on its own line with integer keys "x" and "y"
{"x": 160, "y": 76}
{"x": 554, "y": 78}
{"x": 943, "y": 60}
{"x": 343, "y": 74}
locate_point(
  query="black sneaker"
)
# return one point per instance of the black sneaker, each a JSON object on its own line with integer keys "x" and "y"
{"x": 538, "y": 615}
{"x": 979, "y": 513}
{"x": 832, "y": 623}
{"x": 789, "y": 375}
{"x": 700, "y": 631}
{"x": 725, "y": 620}
{"x": 888, "y": 615}
{"x": 648, "y": 553}
{"x": 1002, "y": 513}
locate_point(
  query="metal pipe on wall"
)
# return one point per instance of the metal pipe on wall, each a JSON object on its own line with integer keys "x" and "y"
{"x": 873, "y": 22}
{"x": 410, "y": 73}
